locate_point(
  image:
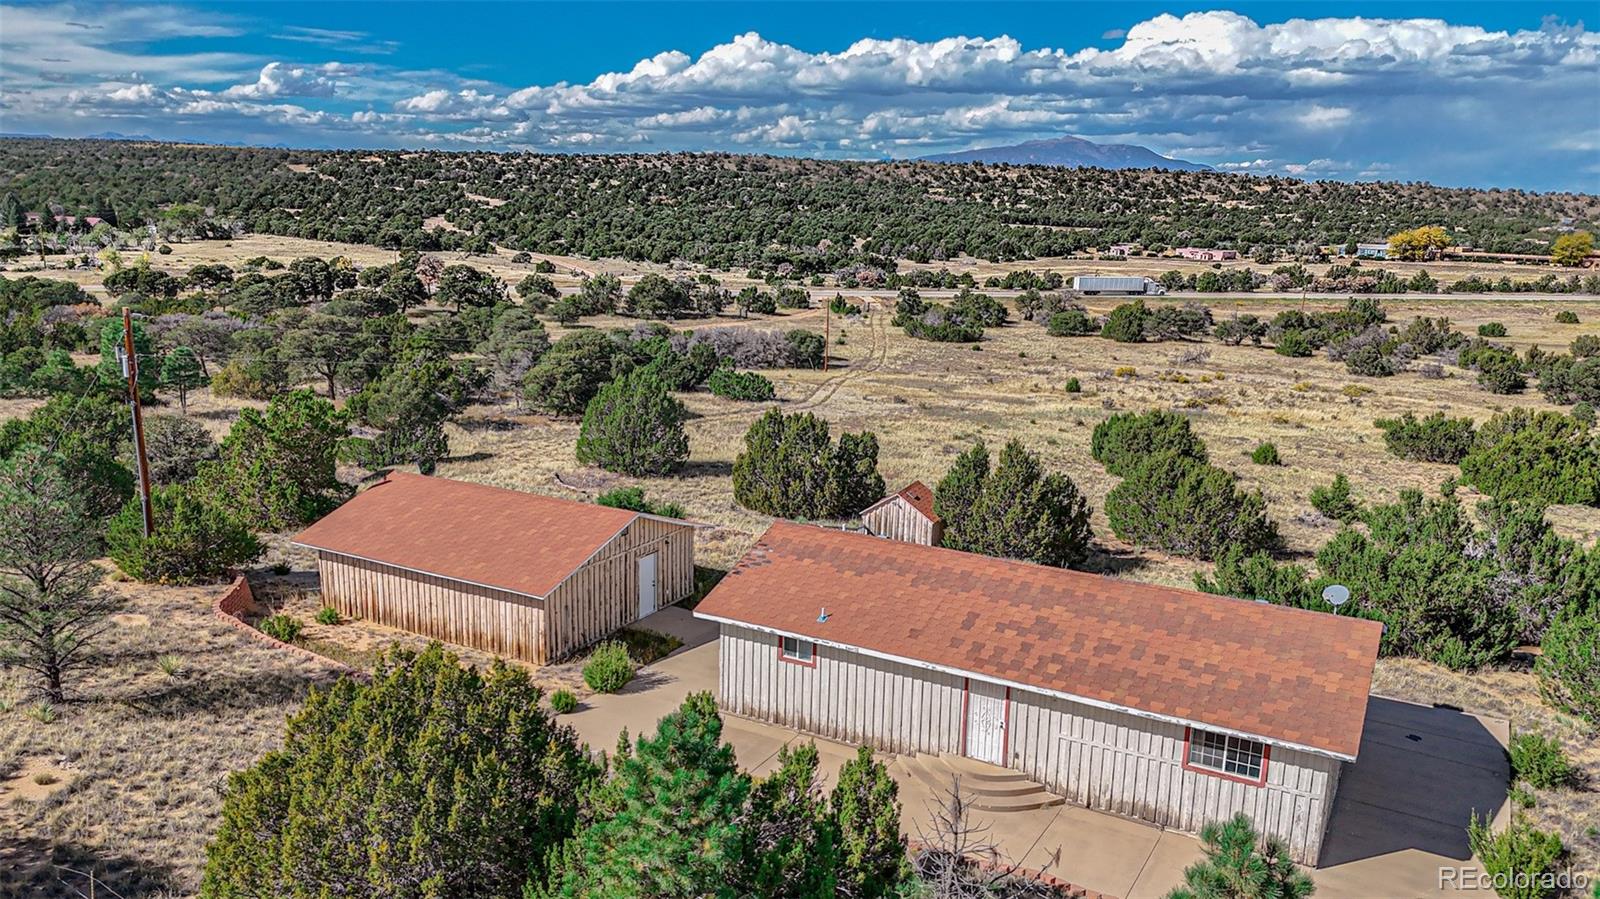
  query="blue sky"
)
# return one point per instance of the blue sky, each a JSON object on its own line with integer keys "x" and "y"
{"x": 1491, "y": 94}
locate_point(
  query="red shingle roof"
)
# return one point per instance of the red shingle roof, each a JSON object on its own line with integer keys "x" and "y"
{"x": 917, "y": 494}
{"x": 508, "y": 539}
{"x": 1285, "y": 675}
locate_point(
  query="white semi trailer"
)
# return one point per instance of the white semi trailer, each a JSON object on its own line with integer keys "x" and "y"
{"x": 1116, "y": 284}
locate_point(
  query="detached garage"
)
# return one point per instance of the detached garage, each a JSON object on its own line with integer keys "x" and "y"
{"x": 526, "y": 576}
{"x": 1168, "y": 705}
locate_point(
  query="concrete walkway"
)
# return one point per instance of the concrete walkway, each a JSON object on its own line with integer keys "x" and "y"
{"x": 1399, "y": 816}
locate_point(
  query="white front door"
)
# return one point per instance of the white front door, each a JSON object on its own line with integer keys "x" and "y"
{"x": 647, "y": 584}
{"x": 986, "y": 722}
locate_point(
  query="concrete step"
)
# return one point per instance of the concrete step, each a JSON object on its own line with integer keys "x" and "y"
{"x": 987, "y": 787}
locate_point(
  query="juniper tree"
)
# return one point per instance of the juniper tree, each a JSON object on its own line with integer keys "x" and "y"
{"x": 1172, "y": 503}
{"x": 1018, "y": 511}
{"x": 634, "y": 426}
{"x": 431, "y": 780}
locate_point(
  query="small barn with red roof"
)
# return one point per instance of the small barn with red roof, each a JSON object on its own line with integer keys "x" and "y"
{"x": 531, "y": 577}
{"x": 1169, "y": 705}
{"x": 907, "y": 516}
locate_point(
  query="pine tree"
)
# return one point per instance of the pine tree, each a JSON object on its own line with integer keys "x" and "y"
{"x": 790, "y": 844}
{"x": 1238, "y": 865}
{"x": 866, "y": 809}
{"x": 672, "y": 824}
{"x": 51, "y": 607}
{"x": 181, "y": 372}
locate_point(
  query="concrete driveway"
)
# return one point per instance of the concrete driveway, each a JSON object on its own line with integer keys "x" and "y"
{"x": 1401, "y": 812}
{"x": 1402, "y": 809}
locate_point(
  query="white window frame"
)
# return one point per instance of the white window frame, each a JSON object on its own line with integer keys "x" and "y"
{"x": 803, "y": 653}
{"x": 1228, "y": 755}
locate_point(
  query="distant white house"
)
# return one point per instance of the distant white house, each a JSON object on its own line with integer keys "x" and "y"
{"x": 1206, "y": 254}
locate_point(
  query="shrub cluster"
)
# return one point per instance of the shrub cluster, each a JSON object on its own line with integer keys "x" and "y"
{"x": 791, "y": 468}
{"x": 1266, "y": 453}
{"x": 1540, "y": 761}
{"x": 1568, "y": 668}
{"x": 740, "y": 385}
{"x": 1120, "y": 442}
{"x": 609, "y": 668}
{"x": 1542, "y": 457}
{"x": 1436, "y": 438}
{"x": 633, "y": 499}
{"x": 193, "y": 540}
{"x": 1174, "y": 503}
{"x": 1018, "y": 510}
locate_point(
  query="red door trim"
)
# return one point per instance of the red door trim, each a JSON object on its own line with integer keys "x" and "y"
{"x": 966, "y": 700}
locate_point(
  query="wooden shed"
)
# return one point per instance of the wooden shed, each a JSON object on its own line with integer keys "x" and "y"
{"x": 526, "y": 576}
{"x": 1167, "y": 705}
{"x": 907, "y": 516}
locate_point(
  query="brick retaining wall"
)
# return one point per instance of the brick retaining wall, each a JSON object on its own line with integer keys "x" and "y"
{"x": 239, "y": 600}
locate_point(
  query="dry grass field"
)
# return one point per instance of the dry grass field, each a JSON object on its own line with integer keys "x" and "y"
{"x": 124, "y": 778}
{"x": 132, "y": 766}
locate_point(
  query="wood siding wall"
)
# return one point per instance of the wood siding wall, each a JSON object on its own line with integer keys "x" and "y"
{"x": 847, "y": 696}
{"x": 1133, "y": 766}
{"x": 897, "y": 520}
{"x": 600, "y": 597}
{"x": 1107, "y": 760}
{"x": 493, "y": 620}
{"x": 603, "y": 595}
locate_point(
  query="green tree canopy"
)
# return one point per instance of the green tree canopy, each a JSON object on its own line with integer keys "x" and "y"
{"x": 791, "y": 468}
{"x": 1018, "y": 511}
{"x": 432, "y": 780}
{"x": 277, "y": 467}
{"x": 634, "y": 426}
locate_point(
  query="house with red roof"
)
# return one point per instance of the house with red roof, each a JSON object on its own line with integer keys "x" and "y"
{"x": 1168, "y": 705}
{"x": 531, "y": 577}
{"x": 907, "y": 515}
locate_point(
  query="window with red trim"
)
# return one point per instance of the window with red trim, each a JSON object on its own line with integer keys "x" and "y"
{"x": 793, "y": 649}
{"x": 1227, "y": 754}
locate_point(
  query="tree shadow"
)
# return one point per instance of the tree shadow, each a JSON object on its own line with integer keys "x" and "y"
{"x": 30, "y": 866}
{"x": 213, "y": 694}
{"x": 488, "y": 424}
{"x": 1102, "y": 560}
{"x": 479, "y": 456}
{"x": 706, "y": 468}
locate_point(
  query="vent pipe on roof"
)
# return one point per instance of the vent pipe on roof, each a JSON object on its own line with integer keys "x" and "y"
{"x": 824, "y": 615}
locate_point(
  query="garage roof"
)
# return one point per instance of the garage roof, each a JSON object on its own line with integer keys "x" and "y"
{"x": 490, "y": 536}
{"x": 1288, "y": 676}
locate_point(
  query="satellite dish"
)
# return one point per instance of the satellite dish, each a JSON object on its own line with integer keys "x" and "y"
{"x": 1336, "y": 595}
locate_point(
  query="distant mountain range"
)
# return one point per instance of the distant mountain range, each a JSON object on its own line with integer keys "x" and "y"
{"x": 1072, "y": 153}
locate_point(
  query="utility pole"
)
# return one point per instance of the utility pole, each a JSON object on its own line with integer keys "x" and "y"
{"x": 827, "y": 334}
{"x": 130, "y": 367}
